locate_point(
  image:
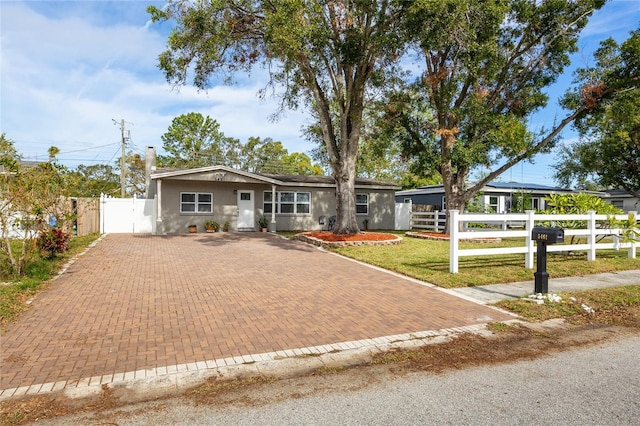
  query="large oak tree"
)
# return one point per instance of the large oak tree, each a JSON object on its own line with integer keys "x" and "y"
{"x": 324, "y": 54}
{"x": 485, "y": 67}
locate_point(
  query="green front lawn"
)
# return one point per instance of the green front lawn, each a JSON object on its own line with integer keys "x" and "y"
{"x": 613, "y": 306}
{"x": 428, "y": 260}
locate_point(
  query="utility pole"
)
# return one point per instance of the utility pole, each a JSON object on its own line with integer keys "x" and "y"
{"x": 123, "y": 163}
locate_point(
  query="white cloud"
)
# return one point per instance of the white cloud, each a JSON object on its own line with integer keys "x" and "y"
{"x": 65, "y": 78}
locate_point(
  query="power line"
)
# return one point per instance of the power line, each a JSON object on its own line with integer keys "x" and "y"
{"x": 88, "y": 149}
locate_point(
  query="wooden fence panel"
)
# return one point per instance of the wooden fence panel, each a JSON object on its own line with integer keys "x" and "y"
{"x": 88, "y": 216}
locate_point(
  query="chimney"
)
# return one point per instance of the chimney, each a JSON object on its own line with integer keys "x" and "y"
{"x": 149, "y": 167}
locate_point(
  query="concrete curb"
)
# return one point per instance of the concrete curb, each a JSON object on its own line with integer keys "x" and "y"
{"x": 155, "y": 382}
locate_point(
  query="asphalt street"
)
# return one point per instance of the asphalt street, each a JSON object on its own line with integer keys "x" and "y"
{"x": 598, "y": 385}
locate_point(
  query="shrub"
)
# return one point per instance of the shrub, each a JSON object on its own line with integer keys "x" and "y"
{"x": 54, "y": 241}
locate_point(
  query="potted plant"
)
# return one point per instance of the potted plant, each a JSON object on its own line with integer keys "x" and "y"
{"x": 225, "y": 227}
{"x": 263, "y": 223}
{"x": 193, "y": 229}
{"x": 211, "y": 226}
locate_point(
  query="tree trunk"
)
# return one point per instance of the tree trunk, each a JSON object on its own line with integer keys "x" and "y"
{"x": 455, "y": 194}
{"x": 346, "y": 222}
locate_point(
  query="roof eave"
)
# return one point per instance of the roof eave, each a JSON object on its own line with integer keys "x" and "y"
{"x": 209, "y": 169}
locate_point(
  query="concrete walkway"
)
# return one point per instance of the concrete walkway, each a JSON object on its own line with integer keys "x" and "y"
{"x": 149, "y": 309}
{"x": 496, "y": 292}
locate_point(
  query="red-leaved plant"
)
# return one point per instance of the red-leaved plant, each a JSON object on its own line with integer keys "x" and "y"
{"x": 54, "y": 241}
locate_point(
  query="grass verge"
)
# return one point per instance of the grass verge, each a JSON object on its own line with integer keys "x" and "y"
{"x": 609, "y": 306}
{"x": 15, "y": 294}
{"x": 428, "y": 260}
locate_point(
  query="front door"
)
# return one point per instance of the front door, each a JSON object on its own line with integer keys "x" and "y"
{"x": 246, "y": 208}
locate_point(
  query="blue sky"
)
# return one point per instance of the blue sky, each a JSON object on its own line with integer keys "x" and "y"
{"x": 68, "y": 69}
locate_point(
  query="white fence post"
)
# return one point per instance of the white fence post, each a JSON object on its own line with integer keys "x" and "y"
{"x": 632, "y": 247}
{"x": 154, "y": 213}
{"x": 591, "y": 238}
{"x": 529, "y": 241}
{"x": 453, "y": 241}
{"x": 134, "y": 214}
{"x": 103, "y": 205}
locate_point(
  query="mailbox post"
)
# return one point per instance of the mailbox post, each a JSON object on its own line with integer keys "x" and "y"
{"x": 542, "y": 237}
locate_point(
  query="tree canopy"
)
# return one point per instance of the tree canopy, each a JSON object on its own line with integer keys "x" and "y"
{"x": 485, "y": 65}
{"x": 323, "y": 54}
{"x": 194, "y": 140}
{"x": 608, "y": 152}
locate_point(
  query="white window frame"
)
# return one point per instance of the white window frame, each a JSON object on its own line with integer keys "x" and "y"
{"x": 197, "y": 203}
{"x": 297, "y": 201}
{"x": 366, "y": 204}
{"x": 535, "y": 203}
{"x": 493, "y": 207}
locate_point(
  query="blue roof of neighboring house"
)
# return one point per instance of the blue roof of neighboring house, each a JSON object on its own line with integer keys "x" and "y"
{"x": 495, "y": 185}
{"x": 517, "y": 185}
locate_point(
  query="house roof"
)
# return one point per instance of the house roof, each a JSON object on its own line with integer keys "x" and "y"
{"x": 492, "y": 187}
{"x": 280, "y": 180}
{"x": 528, "y": 186}
{"x": 618, "y": 193}
{"x": 164, "y": 173}
{"x": 315, "y": 180}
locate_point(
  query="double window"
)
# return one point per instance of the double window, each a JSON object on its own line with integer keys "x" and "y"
{"x": 196, "y": 202}
{"x": 288, "y": 202}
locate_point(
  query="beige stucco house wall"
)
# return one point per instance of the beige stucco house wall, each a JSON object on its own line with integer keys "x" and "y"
{"x": 191, "y": 197}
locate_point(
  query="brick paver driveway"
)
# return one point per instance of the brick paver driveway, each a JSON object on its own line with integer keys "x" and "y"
{"x": 138, "y": 301}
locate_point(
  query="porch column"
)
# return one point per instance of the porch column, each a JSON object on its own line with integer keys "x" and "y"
{"x": 272, "y": 225}
{"x": 159, "y": 227}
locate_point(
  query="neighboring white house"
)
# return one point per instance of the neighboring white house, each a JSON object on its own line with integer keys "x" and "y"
{"x": 622, "y": 200}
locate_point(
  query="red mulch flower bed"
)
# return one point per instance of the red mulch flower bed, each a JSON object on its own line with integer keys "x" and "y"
{"x": 434, "y": 234}
{"x": 363, "y": 236}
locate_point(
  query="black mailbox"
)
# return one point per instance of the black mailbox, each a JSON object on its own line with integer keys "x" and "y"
{"x": 544, "y": 236}
{"x": 548, "y": 235}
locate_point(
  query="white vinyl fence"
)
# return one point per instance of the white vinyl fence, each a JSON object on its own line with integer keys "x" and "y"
{"x": 596, "y": 228}
{"x": 127, "y": 215}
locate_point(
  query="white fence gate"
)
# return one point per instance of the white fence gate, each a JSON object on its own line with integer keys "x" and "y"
{"x": 596, "y": 227}
{"x": 403, "y": 216}
{"x": 127, "y": 215}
